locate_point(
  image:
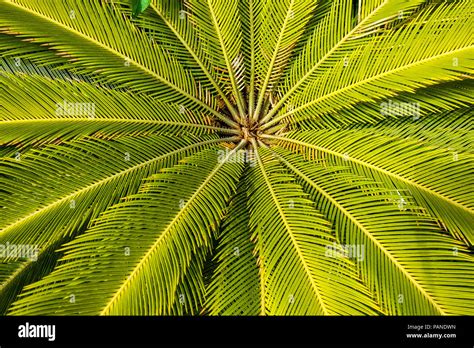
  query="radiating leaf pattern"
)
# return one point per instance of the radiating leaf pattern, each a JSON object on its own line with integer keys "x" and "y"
{"x": 238, "y": 157}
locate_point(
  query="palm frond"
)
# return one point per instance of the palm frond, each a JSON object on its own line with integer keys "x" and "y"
{"x": 39, "y": 110}
{"x": 241, "y": 157}
{"x": 250, "y": 13}
{"x": 421, "y": 278}
{"x": 449, "y": 96}
{"x": 282, "y": 25}
{"x": 72, "y": 189}
{"x": 17, "y": 51}
{"x": 333, "y": 35}
{"x": 235, "y": 288}
{"x": 433, "y": 177}
{"x": 293, "y": 237}
{"x": 114, "y": 49}
{"x": 167, "y": 24}
{"x": 450, "y": 130}
{"x": 218, "y": 26}
{"x": 442, "y": 54}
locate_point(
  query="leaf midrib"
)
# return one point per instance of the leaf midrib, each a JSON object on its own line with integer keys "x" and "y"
{"x": 118, "y": 120}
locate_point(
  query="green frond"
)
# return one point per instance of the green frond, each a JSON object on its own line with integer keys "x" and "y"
{"x": 78, "y": 191}
{"x": 163, "y": 226}
{"x": 40, "y": 110}
{"x": 282, "y": 24}
{"x": 251, "y": 23}
{"x": 235, "y": 288}
{"x": 293, "y": 238}
{"x": 408, "y": 261}
{"x": 17, "y": 51}
{"x": 437, "y": 180}
{"x": 167, "y": 24}
{"x": 423, "y": 102}
{"x": 450, "y": 130}
{"x": 434, "y": 50}
{"x": 218, "y": 28}
{"x": 333, "y": 35}
{"x": 114, "y": 49}
{"x": 236, "y": 157}
{"x": 190, "y": 292}
{"x": 15, "y": 275}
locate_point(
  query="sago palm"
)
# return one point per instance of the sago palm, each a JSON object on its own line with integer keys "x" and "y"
{"x": 236, "y": 157}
